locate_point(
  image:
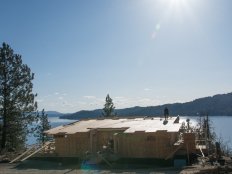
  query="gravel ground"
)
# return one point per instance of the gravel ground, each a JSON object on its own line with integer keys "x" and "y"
{"x": 42, "y": 167}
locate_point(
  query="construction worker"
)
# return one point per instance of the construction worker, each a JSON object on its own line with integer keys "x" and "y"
{"x": 166, "y": 113}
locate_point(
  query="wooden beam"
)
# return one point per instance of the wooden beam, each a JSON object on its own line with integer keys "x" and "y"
{"x": 46, "y": 144}
{"x": 107, "y": 162}
{"x": 172, "y": 153}
{"x": 18, "y": 157}
{"x": 201, "y": 151}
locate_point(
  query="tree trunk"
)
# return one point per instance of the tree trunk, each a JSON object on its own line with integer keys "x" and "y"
{"x": 3, "y": 144}
{"x": 4, "y": 129}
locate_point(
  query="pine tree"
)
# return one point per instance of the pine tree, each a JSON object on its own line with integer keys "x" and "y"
{"x": 43, "y": 125}
{"x": 108, "y": 109}
{"x": 17, "y": 101}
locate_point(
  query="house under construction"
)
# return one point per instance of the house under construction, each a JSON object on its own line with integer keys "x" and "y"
{"x": 133, "y": 138}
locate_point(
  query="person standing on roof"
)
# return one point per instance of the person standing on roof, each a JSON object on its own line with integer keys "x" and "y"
{"x": 166, "y": 113}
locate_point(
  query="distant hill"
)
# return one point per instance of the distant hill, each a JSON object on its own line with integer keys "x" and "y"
{"x": 83, "y": 114}
{"x": 217, "y": 105}
{"x": 53, "y": 113}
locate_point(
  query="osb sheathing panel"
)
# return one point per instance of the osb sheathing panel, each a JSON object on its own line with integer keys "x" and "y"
{"x": 132, "y": 125}
{"x": 78, "y": 144}
{"x": 129, "y": 145}
{"x": 189, "y": 142}
{"x": 103, "y": 138}
{"x": 72, "y": 145}
{"x": 146, "y": 145}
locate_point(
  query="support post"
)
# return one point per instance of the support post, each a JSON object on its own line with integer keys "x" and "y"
{"x": 187, "y": 152}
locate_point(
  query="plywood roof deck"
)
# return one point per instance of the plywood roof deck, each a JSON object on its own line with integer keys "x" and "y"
{"x": 150, "y": 124}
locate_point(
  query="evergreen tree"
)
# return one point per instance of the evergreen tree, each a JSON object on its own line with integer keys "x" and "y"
{"x": 17, "y": 101}
{"x": 108, "y": 109}
{"x": 43, "y": 125}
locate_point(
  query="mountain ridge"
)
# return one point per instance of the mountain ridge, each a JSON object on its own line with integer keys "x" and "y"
{"x": 220, "y": 104}
{"x": 53, "y": 113}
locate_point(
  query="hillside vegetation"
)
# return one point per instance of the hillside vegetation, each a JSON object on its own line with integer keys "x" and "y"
{"x": 217, "y": 105}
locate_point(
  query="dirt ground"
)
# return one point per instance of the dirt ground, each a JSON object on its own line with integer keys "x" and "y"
{"x": 45, "y": 167}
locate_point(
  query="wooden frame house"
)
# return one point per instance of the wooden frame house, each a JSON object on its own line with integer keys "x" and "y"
{"x": 155, "y": 138}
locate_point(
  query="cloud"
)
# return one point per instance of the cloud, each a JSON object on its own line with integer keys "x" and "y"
{"x": 144, "y": 100}
{"x": 66, "y": 104}
{"x": 60, "y": 102}
{"x": 119, "y": 97}
{"x": 81, "y": 103}
{"x": 124, "y": 102}
{"x": 89, "y": 97}
{"x": 47, "y": 96}
{"x": 39, "y": 100}
{"x": 147, "y": 89}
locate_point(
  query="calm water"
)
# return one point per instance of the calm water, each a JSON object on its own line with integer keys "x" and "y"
{"x": 221, "y": 124}
{"x": 54, "y": 122}
{"x": 223, "y": 127}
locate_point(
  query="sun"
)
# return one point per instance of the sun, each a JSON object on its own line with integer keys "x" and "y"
{"x": 179, "y": 8}
{"x": 177, "y": 3}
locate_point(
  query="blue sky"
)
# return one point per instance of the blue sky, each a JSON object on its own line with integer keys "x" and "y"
{"x": 141, "y": 52}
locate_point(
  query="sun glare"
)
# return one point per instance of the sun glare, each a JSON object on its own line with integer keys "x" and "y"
{"x": 179, "y": 8}
{"x": 177, "y": 4}
{"x": 176, "y": 1}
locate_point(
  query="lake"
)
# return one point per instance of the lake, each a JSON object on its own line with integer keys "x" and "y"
{"x": 54, "y": 122}
{"x": 221, "y": 124}
{"x": 223, "y": 127}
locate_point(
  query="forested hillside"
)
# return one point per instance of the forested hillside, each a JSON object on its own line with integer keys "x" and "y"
{"x": 216, "y": 105}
